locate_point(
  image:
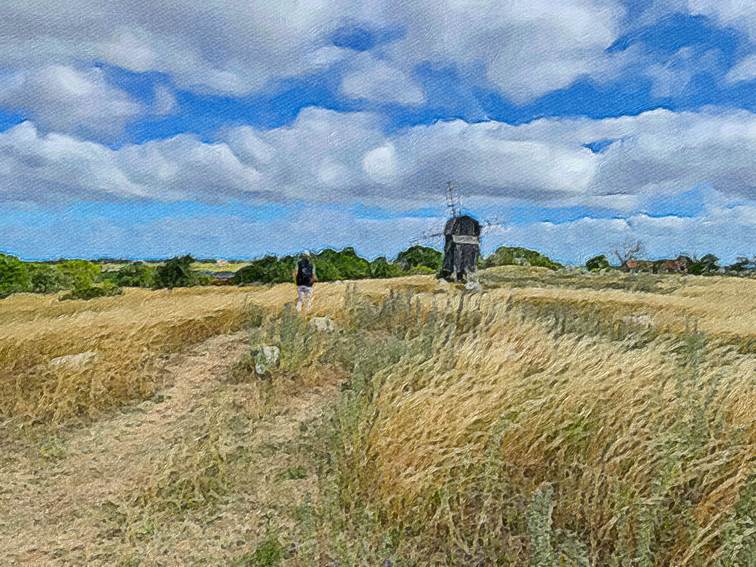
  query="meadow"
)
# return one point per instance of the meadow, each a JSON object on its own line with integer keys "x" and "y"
{"x": 555, "y": 418}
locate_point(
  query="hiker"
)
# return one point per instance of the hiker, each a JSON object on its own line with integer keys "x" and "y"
{"x": 304, "y": 277}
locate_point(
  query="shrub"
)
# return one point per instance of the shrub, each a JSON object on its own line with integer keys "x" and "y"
{"x": 46, "y": 278}
{"x": 14, "y": 276}
{"x": 137, "y": 274}
{"x": 416, "y": 256}
{"x": 597, "y": 263}
{"x": 78, "y": 274}
{"x": 708, "y": 264}
{"x": 268, "y": 269}
{"x": 176, "y": 272}
{"x": 507, "y": 256}
{"x": 382, "y": 268}
{"x": 105, "y": 289}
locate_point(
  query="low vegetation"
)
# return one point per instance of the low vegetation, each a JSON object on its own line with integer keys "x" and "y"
{"x": 555, "y": 418}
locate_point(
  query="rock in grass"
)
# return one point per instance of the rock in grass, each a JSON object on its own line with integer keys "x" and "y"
{"x": 74, "y": 361}
{"x": 322, "y": 324}
{"x": 266, "y": 358}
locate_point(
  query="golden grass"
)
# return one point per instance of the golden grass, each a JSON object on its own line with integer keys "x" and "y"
{"x": 536, "y": 422}
{"x": 644, "y": 449}
{"x": 111, "y": 346}
{"x": 121, "y": 339}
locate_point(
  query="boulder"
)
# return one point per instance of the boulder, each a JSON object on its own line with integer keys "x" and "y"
{"x": 322, "y": 324}
{"x": 74, "y": 361}
{"x": 267, "y": 358}
{"x": 473, "y": 286}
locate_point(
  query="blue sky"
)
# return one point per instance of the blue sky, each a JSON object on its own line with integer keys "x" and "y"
{"x": 250, "y": 129}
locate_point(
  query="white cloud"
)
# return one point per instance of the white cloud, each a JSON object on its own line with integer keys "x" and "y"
{"x": 164, "y": 101}
{"x": 375, "y": 79}
{"x": 235, "y": 47}
{"x": 739, "y": 14}
{"x": 672, "y": 77}
{"x": 744, "y": 70}
{"x": 525, "y": 49}
{"x": 223, "y": 46}
{"x": 69, "y": 99}
{"x": 331, "y": 157}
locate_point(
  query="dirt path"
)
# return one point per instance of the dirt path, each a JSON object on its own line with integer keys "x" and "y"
{"x": 54, "y": 510}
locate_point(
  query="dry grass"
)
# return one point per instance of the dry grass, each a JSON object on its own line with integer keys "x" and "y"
{"x": 542, "y": 422}
{"x": 640, "y": 440}
{"x": 106, "y": 349}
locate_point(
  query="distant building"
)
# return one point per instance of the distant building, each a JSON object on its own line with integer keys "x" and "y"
{"x": 679, "y": 265}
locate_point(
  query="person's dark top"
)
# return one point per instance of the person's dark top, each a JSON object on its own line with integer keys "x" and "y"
{"x": 305, "y": 273}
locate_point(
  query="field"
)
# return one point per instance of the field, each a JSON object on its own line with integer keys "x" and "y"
{"x": 554, "y": 418}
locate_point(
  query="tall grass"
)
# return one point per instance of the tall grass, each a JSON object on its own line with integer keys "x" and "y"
{"x": 77, "y": 360}
{"x": 486, "y": 432}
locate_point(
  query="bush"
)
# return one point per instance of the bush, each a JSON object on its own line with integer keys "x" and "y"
{"x": 266, "y": 270}
{"x": 46, "y": 278}
{"x": 708, "y": 264}
{"x": 597, "y": 263}
{"x": 176, "y": 272}
{"x": 14, "y": 276}
{"x": 137, "y": 274}
{"x": 416, "y": 256}
{"x": 78, "y": 274}
{"x": 106, "y": 289}
{"x": 507, "y": 256}
{"x": 382, "y": 268}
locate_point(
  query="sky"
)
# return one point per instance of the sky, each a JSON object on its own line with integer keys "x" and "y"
{"x": 236, "y": 128}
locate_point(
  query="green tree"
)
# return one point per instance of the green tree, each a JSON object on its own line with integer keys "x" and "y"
{"x": 707, "y": 264}
{"x": 514, "y": 255}
{"x": 176, "y": 272}
{"x": 418, "y": 256}
{"x": 341, "y": 265}
{"x": 78, "y": 274}
{"x": 136, "y": 274}
{"x": 597, "y": 263}
{"x": 743, "y": 264}
{"x": 382, "y": 268}
{"x": 46, "y": 278}
{"x": 14, "y": 276}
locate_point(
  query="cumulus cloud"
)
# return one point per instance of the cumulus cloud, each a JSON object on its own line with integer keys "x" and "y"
{"x": 738, "y": 14}
{"x": 229, "y": 46}
{"x": 331, "y": 157}
{"x": 744, "y": 70}
{"x": 69, "y": 99}
{"x": 235, "y": 47}
{"x": 525, "y": 49}
{"x": 375, "y": 79}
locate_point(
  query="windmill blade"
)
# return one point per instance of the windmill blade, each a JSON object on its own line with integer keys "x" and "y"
{"x": 426, "y": 237}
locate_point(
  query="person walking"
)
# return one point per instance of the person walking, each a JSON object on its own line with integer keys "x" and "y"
{"x": 305, "y": 278}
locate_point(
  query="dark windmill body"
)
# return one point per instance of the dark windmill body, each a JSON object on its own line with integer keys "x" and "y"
{"x": 461, "y": 248}
{"x": 461, "y": 234}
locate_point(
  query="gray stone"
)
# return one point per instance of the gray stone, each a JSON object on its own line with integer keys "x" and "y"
{"x": 322, "y": 324}
{"x": 74, "y": 361}
{"x": 267, "y": 358}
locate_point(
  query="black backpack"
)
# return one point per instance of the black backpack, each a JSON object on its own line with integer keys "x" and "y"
{"x": 305, "y": 273}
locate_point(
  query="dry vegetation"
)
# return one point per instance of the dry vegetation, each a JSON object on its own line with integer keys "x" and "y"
{"x": 553, "y": 419}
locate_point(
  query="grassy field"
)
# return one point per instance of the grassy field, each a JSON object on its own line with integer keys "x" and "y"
{"x": 553, "y": 419}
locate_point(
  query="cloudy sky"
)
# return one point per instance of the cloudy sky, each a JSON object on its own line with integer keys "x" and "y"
{"x": 232, "y": 128}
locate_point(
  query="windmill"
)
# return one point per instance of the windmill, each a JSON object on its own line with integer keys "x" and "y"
{"x": 461, "y": 234}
